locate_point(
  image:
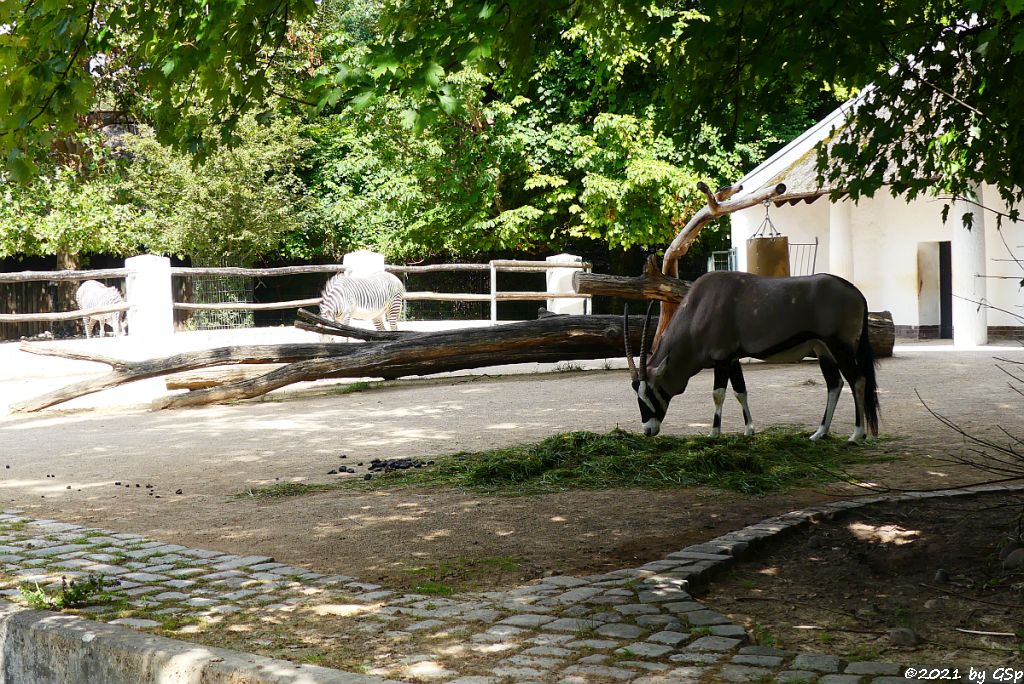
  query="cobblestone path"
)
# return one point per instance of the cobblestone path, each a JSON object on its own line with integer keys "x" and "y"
{"x": 634, "y": 625}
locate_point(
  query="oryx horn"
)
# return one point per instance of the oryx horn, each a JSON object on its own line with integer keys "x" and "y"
{"x": 629, "y": 352}
{"x": 643, "y": 343}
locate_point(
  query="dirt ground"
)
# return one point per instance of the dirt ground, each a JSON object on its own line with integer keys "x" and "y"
{"x": 63, "y": 465}
{"x": 932, "y": 567}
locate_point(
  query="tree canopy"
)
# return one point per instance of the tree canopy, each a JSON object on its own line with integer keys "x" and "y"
{"x": 425, "y": 127}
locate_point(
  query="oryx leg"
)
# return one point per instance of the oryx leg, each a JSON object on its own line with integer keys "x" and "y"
{"x": 739, "y": 388}
{"x": 721, "y": 383}
{"x": 834, "y": 382}
{"x": 847, "y": 360}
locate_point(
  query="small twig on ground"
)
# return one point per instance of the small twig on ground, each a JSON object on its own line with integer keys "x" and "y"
{"x": 980, "y": 633}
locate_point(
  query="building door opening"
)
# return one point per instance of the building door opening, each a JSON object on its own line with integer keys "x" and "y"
{"x": 945, "y": 291}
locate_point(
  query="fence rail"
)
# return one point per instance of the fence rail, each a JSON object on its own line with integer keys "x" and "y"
{"x": 30, "y": 276}
{"x": 493, "y": 267}
{"x": 62, "y": 315}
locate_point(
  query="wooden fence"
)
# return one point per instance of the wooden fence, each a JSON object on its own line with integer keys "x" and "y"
{"x": 493, "y": 296}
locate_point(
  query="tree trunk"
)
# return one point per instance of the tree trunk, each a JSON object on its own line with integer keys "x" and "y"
{"x": 550, "y": 339}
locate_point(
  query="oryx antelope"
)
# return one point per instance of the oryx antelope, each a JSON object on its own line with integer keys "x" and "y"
{"x": 730, "y": 315}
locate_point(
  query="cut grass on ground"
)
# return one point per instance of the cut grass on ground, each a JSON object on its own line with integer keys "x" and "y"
{"x": 771, "y": 461}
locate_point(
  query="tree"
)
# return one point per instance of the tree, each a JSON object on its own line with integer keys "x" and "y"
{"x": 61, "y": 213}
{"x": 191, "y": 68}
{"x": 944, "y": 72}
{"x": 238, "y": 205}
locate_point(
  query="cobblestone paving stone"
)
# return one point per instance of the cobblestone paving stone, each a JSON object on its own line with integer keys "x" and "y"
{"x": 637, "y": 625}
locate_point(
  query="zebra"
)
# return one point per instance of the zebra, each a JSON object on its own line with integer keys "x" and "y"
{"x": 371, "y": 297}
{"x": 91, "y": 295}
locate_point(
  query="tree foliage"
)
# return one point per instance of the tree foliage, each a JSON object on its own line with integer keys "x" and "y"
{"x": 61, "y": 213}
{"x": 192, "y": 68}
{"x": 950, "y": 105}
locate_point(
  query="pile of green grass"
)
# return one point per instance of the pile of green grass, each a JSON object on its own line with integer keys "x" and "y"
{"x": 770, "y": 461}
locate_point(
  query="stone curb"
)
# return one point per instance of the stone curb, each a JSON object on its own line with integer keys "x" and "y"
{"x": 636, "y": 625}
{"x": 699, "y": 563}
{"x": 49, "y": 648}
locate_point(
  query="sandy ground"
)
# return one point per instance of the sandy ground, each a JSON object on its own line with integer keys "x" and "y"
{"x": 63, "y": 463}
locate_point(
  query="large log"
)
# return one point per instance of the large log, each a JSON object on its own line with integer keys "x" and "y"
{"x": 653, "y": 284}
{"x": 550, "y": 339}
{"x": 129, "y": 371}
{"x": 215, "y": 377}
{"x": 881, "y": 333}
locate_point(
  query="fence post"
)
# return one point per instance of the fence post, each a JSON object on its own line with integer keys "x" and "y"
{"x": 363, "y": 262}
{"x": 148, "y": 291}
{"x": 559, "y": 280}
{"x": 494, "y": 293}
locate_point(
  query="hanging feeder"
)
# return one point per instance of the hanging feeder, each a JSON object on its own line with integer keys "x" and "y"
{"x": 768, "y": 249}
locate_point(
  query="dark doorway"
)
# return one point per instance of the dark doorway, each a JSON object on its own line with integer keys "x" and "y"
{"x": 945, "y": 291}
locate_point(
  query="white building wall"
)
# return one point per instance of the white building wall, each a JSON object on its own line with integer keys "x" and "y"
{"x": 1001, "y": 246}
{"x": 886, "y": 233}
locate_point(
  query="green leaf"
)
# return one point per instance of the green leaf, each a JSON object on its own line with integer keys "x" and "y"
{"x": 433, "y": 74}
{"x": 363, "y": 99}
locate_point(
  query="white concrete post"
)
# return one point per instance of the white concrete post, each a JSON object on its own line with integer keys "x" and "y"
{"x": 970, "y": 321}
{"x": 743, "y": 226}
{"x": 840, "y": 240}
{"x": 559, "y": 280}
{"x": 363, "y": 262}
{"x": 148, "y": 291}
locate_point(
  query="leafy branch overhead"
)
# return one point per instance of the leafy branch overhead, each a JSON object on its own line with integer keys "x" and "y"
{"x": 426, "y": 127}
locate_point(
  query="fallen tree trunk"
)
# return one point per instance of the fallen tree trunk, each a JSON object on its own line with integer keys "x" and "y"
{"x": 129, "y": 371}
{"x": 215, "y": 377}
{"x": 550, "y": 339}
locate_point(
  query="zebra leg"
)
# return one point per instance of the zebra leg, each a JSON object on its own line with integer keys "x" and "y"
{"x": 834, "y": 382}
{"x": 721, "y": 382}
{"x": 395, "y": 312}
{"x": 846, "y": 359}
{"x": 739, "y": 388}
{"x": 87, "y": 324}
{"x": 378, "y": 323}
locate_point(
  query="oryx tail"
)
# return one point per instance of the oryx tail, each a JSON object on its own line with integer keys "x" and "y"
{"x": 866, "y": 364}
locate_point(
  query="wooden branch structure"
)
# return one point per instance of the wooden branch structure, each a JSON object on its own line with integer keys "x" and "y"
{"x": 720, "y": 203}
{"x": 549, "y": 339}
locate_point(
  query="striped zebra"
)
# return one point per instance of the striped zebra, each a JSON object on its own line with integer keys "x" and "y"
{"x": 91, "y": 295}
{"x": 372, "y": 297}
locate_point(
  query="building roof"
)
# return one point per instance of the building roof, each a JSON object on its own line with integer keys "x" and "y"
{"x": 796, "y": 163}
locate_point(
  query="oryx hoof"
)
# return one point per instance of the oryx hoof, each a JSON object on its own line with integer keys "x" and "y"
{"x": 715, "y": 432}
{"x": 818, "y": 435}
{"x": 749, "y": 432}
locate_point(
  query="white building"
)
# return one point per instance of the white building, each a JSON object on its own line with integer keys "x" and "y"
{"x": 931, "y": 275}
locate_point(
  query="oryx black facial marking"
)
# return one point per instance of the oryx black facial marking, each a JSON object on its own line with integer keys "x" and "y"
{"x": 730, "y": 315}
